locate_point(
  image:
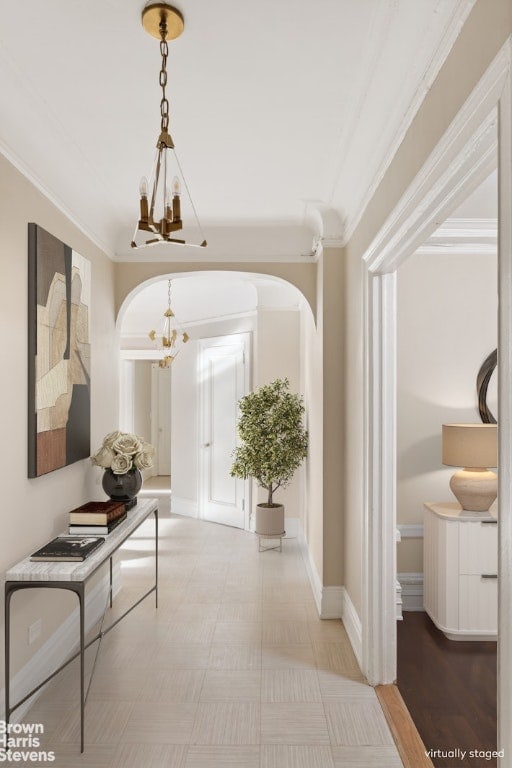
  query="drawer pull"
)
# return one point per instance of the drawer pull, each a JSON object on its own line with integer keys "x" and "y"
{"x": 489, "y": 575}
{"x": 489, "y": 522}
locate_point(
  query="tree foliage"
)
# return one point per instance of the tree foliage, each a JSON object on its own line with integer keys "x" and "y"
{"x": 273, "y": 439}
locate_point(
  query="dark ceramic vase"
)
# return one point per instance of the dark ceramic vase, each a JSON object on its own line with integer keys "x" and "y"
{"x": 122, "y": 487}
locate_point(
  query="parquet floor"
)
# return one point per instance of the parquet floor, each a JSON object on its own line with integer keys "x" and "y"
{"x": 234, "y": 669}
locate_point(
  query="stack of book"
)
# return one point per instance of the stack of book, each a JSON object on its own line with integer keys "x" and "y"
{"x": 97, "y": 517}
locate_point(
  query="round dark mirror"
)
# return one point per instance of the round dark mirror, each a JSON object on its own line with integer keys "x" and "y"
{"x": 482, "y": 387}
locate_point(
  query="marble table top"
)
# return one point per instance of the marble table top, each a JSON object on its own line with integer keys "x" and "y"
{"x": 26, "y": 570}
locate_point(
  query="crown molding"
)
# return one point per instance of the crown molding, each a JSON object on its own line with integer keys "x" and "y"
{"x": 328, "y": 225}
{"x": 459, "y": 15}
{"x": 54, "y": 199}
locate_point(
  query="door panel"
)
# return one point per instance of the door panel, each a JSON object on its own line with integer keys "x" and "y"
{"x": 223, "y": 383}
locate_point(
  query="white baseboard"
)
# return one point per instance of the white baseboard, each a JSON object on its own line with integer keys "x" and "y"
{"x": 412, "y": 591}
{"x": 410, "y": 530}
{"x": 333, "y": 602}
{"x": 184, "y": 507}
{"x": 54, "y": 651}
{"x": 352, "y": 624}
{"x": 328, "y": 600}
{"x": 314, "y": 578}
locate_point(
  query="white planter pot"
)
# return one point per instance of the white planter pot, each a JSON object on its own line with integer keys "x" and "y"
{"x": 270, "y": 520}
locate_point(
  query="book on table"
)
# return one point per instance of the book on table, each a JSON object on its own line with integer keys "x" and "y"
{"x": 96, "y": 528}
{"x": 97, "y": 513}
{"x": 68, "y": 548}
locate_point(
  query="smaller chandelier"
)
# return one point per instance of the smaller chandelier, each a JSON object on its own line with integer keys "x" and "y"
{"x": 163, "y": 197}
{"x": 173, "y": 336}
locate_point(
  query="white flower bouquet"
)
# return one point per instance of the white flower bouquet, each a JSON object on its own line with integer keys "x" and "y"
{"x": 123, "y": 451}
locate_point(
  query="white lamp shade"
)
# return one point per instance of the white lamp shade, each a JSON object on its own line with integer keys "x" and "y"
{"x": 470, "y": 445}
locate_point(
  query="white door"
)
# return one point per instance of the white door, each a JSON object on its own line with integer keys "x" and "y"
{"x": 161, "y": 418}
{"x": 224, "y": 380}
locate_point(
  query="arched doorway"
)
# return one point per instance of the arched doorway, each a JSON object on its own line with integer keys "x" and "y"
{"x": 245, "y": 329}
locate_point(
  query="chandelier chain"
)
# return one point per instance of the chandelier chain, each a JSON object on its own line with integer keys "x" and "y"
{"x": 164, "y": 103}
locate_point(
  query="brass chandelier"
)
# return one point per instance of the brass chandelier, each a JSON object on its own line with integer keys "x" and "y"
{"x": 165, "y": 199}
{"x": 173, "y": 336}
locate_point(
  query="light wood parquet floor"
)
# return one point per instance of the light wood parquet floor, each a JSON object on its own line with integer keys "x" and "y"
{"x": 234, "y": 669}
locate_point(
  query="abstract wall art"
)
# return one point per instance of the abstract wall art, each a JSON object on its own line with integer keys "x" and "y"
{"x": 59, "y": 353}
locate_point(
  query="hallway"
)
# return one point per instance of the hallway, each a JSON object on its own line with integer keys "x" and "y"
{"x": 234, "y": 669}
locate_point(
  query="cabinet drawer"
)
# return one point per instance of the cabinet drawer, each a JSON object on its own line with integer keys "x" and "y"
{"x": 478, "y": 548}
{"x": 478, "y": 603}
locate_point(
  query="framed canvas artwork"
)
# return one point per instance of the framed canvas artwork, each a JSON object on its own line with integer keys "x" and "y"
{"x": 59, "y": 353}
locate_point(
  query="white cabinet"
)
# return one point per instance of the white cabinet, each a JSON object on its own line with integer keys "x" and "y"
{"x": 460, "y": 564}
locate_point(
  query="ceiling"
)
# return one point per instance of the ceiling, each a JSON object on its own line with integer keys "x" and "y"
{"x": 279, "y": 110}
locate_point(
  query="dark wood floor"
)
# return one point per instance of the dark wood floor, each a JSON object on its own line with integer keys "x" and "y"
{"x": 449, "y": 688}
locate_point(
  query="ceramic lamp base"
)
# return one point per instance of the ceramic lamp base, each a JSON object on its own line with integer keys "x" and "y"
{"x": 474, "y": 489}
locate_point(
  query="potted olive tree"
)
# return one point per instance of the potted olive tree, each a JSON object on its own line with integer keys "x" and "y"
{"x": 273, "y": 445}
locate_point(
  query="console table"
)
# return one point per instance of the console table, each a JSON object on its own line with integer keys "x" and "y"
{"x": 74, "y": 576}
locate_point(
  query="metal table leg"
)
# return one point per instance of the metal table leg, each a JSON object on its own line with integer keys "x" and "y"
{"x": 81, "y": 595}
{"x": 79, "y": 589}
{"x": 156, "y": 557}
{"x": 7, "y": 629}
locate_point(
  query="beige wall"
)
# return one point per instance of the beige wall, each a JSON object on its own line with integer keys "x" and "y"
{"x": 447, "y": 325}
{"x": 185, "y": 395}
{"x": 312, "y": 387}
{"x": 277, "y": 356}
{"x": 485, "y": 32}
{"x": 322, "y": 372}
{"x": 277, "y": 347}
{"x": 34, "y": 511}
{"x": 353, "y": 427}
{"x": 333, "y": 421}
{"x": 142, "y": 399}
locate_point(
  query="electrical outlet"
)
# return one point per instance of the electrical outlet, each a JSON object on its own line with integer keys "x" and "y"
{"x": 34, "y": 631}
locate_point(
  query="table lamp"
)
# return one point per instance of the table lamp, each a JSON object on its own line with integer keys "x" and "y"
{"x": 474, "y": 447}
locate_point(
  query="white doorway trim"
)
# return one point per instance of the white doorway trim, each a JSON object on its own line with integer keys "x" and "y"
{"x": 461, "y": 160}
